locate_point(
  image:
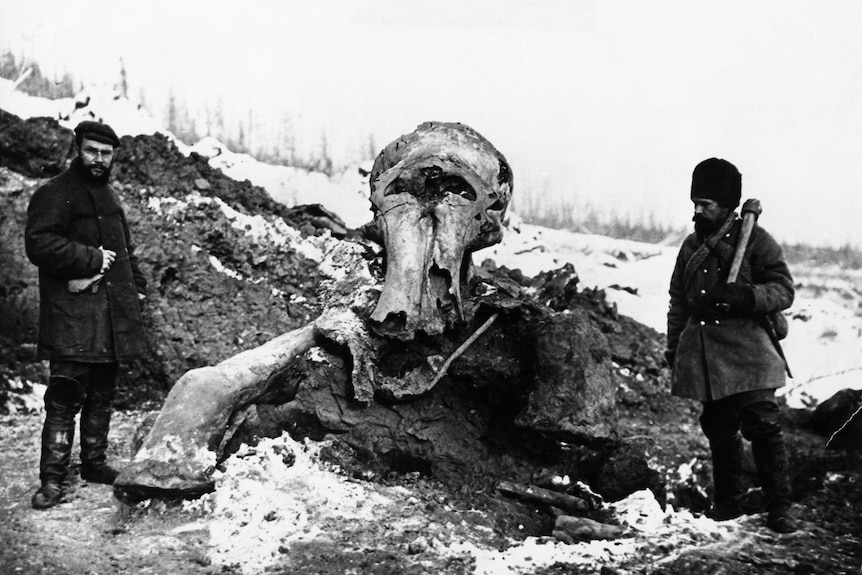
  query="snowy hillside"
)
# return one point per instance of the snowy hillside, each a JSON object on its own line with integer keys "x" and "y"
{"x": 824, "y": 347}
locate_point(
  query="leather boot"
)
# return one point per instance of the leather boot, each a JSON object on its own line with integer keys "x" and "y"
{"x": 773, "y": 470}
{"x": 58, "y": 433}
{"x": 57, "y": 438}
{"x": 47, "y": 496}
{"x": 62, "y": 402}
{"x": 762, "y": 426}
{"x": 95, "y": 425}
{"x": 726, "y": 477}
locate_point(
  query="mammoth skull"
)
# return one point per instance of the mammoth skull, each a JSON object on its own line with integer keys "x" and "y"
{"x": 438, "y": 194}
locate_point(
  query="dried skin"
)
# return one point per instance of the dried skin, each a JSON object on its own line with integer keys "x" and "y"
{"x": 438, "y": 194}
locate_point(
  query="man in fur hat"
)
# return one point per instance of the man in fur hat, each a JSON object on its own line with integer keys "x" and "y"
{"x": 90, "y": 289}
{"x": 719, "y": 349}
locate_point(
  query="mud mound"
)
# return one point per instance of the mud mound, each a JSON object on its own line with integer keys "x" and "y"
{"x": 36, "y": 148}
{"x": 636, "y": 349}
{"x": 215, "y": 289}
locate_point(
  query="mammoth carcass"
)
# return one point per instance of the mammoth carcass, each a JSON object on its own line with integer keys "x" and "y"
{"x": 406, "y": 363}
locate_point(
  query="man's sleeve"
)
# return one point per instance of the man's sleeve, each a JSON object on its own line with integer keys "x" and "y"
{"x": 678, "y": 311}
{"x": 140, "y": 278}
{"x": 47, "y": 245}
{"x": 773, "y": 284}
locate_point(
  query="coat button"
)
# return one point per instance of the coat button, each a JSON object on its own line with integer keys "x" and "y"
{"x": 702, "y": 322}
{"x": 703, "y": 291}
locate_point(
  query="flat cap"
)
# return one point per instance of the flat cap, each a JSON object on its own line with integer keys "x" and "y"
{"x": 96, "y": 131}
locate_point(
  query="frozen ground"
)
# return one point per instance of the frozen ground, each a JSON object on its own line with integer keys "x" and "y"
{"x": 265, "y": 515}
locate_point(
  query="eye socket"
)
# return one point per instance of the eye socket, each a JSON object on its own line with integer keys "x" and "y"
{"x": 456, "y": 185}
{"x": 399, "y": 186}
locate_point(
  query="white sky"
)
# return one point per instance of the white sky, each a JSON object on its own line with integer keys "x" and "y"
{"x": 605, "y": 103}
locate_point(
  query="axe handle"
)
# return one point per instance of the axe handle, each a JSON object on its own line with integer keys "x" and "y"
{"x": 748, "y": 219}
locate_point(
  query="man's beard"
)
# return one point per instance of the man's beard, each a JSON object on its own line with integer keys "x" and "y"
{"x": 703, "y": 226}
{"x": 96, "y": 177}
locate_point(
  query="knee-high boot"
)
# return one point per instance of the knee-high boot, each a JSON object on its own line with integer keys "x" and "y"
{"x": 726, "y": 476}
{"x": 95, "y": 425}
{"x": 773, "y": 469}
{"x": 63, "y": 400}
{"x": 58, "y": 434}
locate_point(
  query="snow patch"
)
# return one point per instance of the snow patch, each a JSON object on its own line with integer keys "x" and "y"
{"x": 263, "y": 504}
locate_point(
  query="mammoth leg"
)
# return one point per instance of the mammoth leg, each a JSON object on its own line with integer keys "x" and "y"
{"x": 179, "y": 453}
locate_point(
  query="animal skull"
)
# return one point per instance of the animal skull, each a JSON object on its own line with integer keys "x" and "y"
{"x": 438, "y": 194}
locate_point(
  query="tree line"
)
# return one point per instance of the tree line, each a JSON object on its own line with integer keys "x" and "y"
{"x": 276, "y": 143}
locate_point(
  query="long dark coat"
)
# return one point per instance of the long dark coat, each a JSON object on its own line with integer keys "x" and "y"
{"x": 68, "y": 219}
{"x": 718, "y": 357}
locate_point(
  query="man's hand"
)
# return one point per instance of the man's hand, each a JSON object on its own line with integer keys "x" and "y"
{"x": 108, "y": 258}
{"x": 731, "y": 299}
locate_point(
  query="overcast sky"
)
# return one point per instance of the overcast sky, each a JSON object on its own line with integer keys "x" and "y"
{"x": 606, "y": 103}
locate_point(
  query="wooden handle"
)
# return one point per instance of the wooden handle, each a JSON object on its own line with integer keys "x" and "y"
{"x": 751, "y": 210}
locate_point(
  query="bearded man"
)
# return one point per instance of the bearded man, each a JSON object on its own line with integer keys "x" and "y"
{"x": 90, "y": 290}
{"x": 719, "y": 346}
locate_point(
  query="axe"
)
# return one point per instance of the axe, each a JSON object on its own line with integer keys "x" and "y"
{"x": 751, "y": 210}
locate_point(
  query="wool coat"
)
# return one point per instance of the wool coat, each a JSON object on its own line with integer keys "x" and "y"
{"x": 67, "y": 220}
{"x": 718, "y": 355}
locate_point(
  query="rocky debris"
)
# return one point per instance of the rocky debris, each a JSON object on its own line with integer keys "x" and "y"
{"x": 570, "y": 529}
{"x": 840, "y": 419}
{"x": 36, "y": 148}
{"x": 633, "y": 345}
{"x": 827, "y": 417}
{"x": 19, "y": 291}
{"x": 155, "y": 162}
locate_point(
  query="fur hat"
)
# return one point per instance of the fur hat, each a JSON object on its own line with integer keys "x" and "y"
{"x": 96, "y": 131}
{"x": 717, "y": 180}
